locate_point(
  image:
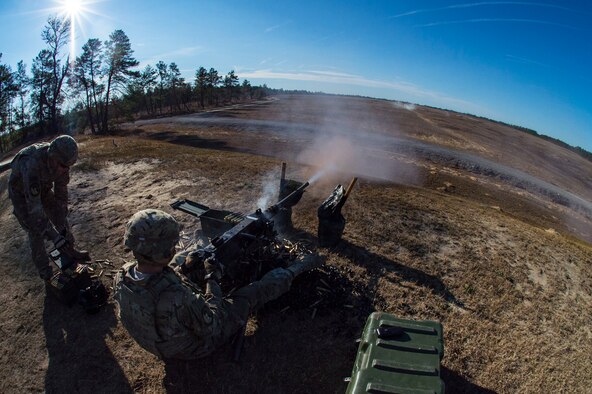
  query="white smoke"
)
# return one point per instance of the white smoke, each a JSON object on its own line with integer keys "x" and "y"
{"x": 325, "y": 170}
{"x": 269, "y": 190}
{"x": 402, "y": 105}
{"x": 349, "y": 144}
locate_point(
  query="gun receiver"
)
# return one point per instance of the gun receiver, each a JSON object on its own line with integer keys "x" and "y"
{"x": 242, "y": 244}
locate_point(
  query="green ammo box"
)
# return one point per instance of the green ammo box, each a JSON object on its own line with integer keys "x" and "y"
{"x": 398, "y": 356}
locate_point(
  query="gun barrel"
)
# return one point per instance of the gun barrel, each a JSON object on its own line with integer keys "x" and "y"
{"x": 288, "y": 197}
{"x": 350, "y": 187}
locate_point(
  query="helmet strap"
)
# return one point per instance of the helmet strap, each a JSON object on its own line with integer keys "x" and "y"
{"x": 145, "y": 260}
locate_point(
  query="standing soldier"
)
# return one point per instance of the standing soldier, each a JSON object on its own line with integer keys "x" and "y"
{"x": 165, "y": 312}
{"x": 38, "y": 189}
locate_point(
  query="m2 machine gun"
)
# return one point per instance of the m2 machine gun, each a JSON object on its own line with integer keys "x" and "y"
{"x": 246, "y": 246}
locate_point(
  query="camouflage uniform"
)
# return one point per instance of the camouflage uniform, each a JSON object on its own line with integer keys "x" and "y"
{"x": 169, "y": 316}
{"x": 165, "y": 312}
{"x": 39, "y": 195}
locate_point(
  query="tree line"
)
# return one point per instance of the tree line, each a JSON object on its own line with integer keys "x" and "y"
{"x": 100, "y": 87}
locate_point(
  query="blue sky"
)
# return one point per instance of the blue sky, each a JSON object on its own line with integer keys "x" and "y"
{"x": 522, "y": 62}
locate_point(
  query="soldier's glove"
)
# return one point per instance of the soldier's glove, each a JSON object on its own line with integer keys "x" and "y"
{"x": 59, "y": 242}
{"x": 213, "y": 269}
{"x": 193, "y": 261}
{"x": 78, "y": 255}
{"x": 65, "y": 247}
{"x": 305, "y": 263}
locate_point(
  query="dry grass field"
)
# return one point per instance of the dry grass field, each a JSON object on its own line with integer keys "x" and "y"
{"x": 454, "y": 218}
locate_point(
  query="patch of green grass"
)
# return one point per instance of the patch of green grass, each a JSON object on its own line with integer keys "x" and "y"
{"x": 505, "y": 276}
{"x": 469, "y": 289}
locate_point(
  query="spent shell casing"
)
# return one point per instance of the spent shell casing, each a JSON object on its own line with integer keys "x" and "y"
{"x": 315, "y": 303}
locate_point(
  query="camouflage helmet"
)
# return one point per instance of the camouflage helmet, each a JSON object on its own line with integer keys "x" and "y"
{"x": 64, "y": 150}
{"x": 152, "y": 233}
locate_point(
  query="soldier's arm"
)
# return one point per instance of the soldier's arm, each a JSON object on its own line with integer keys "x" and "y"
{"x": 213, "y": 291}
{"x": 198, "y": 315}
{"x": 61, "y": 194}
{"x": 205, "y": 318}
{"x": 32, "y": 192}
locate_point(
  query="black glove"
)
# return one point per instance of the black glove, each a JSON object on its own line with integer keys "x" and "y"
{"x": 78, "y": 255}
{"x": 193, "y": 261}
{"x": 305, "y": 263}
{"x": 59, "y": 242}
{"x": 65, "y": 247}
{"x": 213, "y": 269}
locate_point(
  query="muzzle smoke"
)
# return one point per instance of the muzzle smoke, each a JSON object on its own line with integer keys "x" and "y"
{"x": 269, "y": 192}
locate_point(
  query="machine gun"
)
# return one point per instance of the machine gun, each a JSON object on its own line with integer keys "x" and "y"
{"x": 245, "y": 246}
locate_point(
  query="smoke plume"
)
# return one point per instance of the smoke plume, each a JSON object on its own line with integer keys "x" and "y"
{"x": 347, "y": 144}
{"x": 269, "y": 192}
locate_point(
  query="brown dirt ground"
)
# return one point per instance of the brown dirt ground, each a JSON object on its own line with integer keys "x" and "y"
{"x": 506, "y": 273}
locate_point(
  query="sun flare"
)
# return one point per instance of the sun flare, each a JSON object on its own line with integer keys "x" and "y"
{"x": 75, "y": 11}
{"x": 72, "y": 8}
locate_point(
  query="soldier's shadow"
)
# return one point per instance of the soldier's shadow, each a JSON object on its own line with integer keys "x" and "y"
{"x": 377, "y": 265}
{"x": 79, "y": 359}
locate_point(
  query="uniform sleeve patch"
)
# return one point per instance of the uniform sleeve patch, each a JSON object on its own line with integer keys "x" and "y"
{"x": 207, "y": 316}
{"x": 34, "y": 189}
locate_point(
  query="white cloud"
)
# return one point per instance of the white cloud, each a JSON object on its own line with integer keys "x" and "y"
{"x": 351, "y": 79}
{"x": 496, "y": 20}
{"x": 522, "y": 60}
{"x": 479, "y": 4}
{"x": 271, "y": 28}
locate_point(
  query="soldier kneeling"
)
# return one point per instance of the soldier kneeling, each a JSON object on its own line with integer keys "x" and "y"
{"x": 165, "y": 312}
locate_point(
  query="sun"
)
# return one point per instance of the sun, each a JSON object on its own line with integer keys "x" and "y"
{"x": 78, "y": 13}
{"x": 75, "y": 11}
{"x": 72, "y": 8}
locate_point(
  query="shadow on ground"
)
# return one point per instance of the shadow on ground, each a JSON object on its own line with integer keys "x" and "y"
{"x": 305, "y": 341}
{"x": 455, "y": 383}
{"x": 181, "y": 139}
{"x": 377, "y": 265}
{"x": 79, "y": 359}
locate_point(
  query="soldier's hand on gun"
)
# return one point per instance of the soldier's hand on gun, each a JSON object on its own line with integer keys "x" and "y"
{"x": 213, "y": 269}
{"x": 193, "y": 260}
